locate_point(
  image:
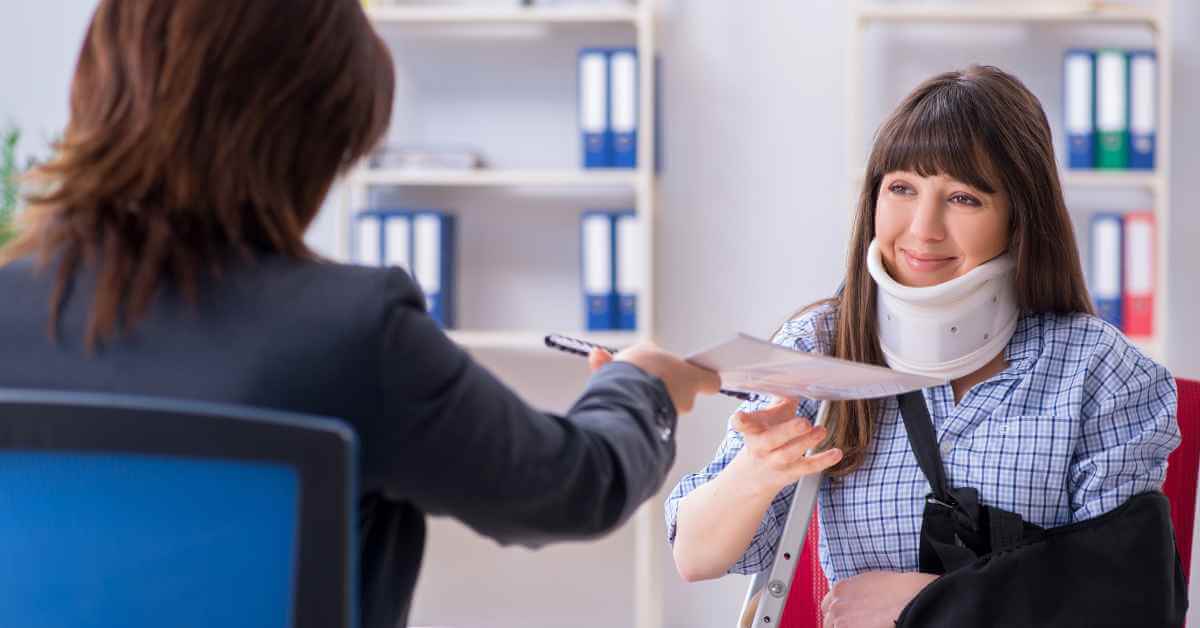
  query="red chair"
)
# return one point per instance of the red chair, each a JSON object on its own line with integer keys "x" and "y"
{"x": 809, "y": 586}
{"x": 1182, "y": 466}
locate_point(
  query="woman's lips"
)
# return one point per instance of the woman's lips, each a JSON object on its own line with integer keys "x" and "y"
{"x": 923, "y": 263}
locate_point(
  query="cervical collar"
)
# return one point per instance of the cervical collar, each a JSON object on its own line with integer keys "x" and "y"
{"x": 948, "y": 330}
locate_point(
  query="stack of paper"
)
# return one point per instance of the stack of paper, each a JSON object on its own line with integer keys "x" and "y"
{"x": 748, "y": 364}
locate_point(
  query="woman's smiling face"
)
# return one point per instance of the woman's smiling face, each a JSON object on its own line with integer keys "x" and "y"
{"x": 933, "y": 229}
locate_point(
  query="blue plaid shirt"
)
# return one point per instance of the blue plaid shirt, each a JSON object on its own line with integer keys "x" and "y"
{"x": 1078, "y": 422}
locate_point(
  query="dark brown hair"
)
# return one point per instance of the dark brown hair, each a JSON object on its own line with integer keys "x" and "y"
{"x": 981, "y": 126}
{"x": 199, "y": 129}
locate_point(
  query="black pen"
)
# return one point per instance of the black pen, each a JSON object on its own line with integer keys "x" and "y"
{"x": 579, "y": 347}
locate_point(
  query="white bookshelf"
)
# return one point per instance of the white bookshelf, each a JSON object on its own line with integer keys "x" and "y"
{"x": 1154, "y": 19}
{"x": 500, "y": 178}
{"x": 1085, "y": 12}
{"x": 645, "y": 577}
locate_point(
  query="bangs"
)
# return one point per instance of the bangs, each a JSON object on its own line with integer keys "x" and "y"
{"x": 940, "y": 134}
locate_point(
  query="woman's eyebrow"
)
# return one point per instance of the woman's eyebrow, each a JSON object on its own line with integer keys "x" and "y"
{"x": 972, "y": 188}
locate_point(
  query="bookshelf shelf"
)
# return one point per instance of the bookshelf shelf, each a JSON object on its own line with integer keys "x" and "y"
{"x": 1099, "y": 178}
{"x": 1155, "y": 16}
{"x": 997, "y": 12}
{"x": 503, "y": 15}
{"x": 500, "y": 178}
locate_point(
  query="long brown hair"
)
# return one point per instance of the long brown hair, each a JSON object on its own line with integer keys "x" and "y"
{"x": 200, "y": 129}
{"x": 981, "y": 126}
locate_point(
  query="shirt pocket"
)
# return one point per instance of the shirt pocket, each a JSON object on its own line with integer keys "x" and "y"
{"x": 1022, "y": 464}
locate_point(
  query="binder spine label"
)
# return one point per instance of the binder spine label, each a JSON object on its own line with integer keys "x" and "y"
{"x": 1112, "y": 115}
{"x": 1106, "y": 267}
{"x": 624, "y": 92}
{"x": 1142, "y": 114}
{"x": 597, "y": 260}
{"x": 629, "y": 269}
{"x": 593, "y": 109}
{"x": 1080, "y": 108}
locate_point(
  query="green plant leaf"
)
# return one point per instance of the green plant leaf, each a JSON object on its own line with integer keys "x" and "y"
{"x": 10, "y": 186}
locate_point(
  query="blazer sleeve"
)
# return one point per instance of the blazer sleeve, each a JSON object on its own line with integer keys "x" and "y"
{"x": 454, "y": 440}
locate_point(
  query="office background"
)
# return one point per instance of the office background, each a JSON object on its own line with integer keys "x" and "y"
{"x": 755, "y": 198}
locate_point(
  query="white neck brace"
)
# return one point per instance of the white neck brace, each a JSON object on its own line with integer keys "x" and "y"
{"x": 948, "y": 330}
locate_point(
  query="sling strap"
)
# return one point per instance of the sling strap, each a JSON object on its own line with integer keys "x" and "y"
{"x": 955, "y": 529}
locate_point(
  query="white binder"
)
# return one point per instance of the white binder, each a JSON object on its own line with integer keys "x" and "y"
{"x": 1143, "y": 104}
{"x": 398, "y": 241}
{"x": 597, "y": 261}
{"x": 624, "y": 94}
{"x": 593, "y": 108}
{"x": 433, "y": 263}
{"x": 368, "y": 242}
{"x": 1112, "y": 109}
{"x": 1079, "y": 70}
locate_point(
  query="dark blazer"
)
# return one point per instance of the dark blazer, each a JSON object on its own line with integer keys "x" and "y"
{"x": 438, "y": 433}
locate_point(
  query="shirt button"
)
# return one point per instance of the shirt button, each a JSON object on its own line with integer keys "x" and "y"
{"x": 947, "y": 447}
{"x": 664, "y": 434}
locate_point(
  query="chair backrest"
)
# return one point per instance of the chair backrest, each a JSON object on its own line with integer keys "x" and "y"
{"x": 803, "y": 609}
{"x": 1182, "y": 466}
{"x": 809, "y": 586}
{"x": 119, "y": 511}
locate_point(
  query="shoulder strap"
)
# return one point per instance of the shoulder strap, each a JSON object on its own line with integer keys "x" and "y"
{"x": 923, "y": 441}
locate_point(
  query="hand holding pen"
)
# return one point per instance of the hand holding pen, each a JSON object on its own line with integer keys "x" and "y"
{"x": 680, "y": 377}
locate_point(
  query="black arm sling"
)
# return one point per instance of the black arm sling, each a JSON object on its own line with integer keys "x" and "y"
{"x": 1118, "y": 569}
{"x": 955, "y": 530}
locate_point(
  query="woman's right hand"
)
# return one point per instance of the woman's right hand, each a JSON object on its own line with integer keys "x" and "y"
{"x": 775, "y": 443}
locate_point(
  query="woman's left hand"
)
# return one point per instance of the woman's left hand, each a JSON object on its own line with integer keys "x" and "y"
{"x": 871, "y": 600}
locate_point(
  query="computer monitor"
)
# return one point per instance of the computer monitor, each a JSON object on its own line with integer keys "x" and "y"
{"x": 131, "y": 512}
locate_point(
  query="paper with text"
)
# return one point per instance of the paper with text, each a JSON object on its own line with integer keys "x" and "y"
{"x": 749, "y": 364}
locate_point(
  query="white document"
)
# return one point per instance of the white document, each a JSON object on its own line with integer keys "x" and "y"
{"x": 748, "y": 364}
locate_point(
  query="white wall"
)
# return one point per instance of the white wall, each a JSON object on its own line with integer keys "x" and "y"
{"x": 39, "y": 42}
{"x": 1184, "y": 354}
{"x": 755, "y": 210}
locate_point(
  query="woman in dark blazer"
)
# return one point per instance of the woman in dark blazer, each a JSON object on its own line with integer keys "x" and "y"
{"x": 162, "y": 254}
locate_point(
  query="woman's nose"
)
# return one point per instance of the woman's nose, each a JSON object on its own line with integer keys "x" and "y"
{"x": 927, "y": 222}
